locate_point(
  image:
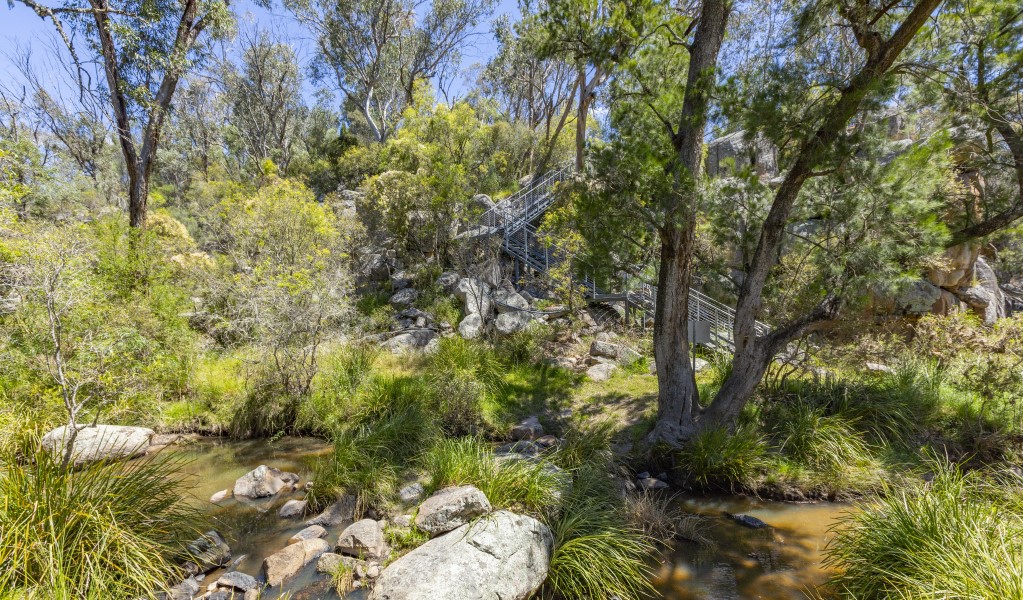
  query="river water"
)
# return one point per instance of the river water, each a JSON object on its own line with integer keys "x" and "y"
{"x": 734, "y": 562}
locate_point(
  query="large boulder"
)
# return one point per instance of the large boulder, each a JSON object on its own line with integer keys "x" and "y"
{"x": 450, "y": 508}
{"x": 600, "y": 371}
{"x": 475, "y": 295}
{"x": 403, "y": 298}
{"x": 622, "y": 354}
{"x": 509, "y": 301}
{"x": 504, "y": 556}
{"x": 100, "y": 442}
{"x": 448, "y": 280}
{"x": 292, "y": 508}
{"x": 289, "y": 561}
{"x": 238, "y": 580}
{"x": 985, "y": 296}
{"x": 263, "y": 481}
{"x": 364, "y": 539}
{"x": 309, "y": 533}
{"x": 511, "y": 322}
{"x": 471, "y": 326}
{"x": 916, "y": 297}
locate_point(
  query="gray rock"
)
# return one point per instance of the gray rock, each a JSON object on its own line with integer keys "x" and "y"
{"x": 733, "y": 152}
{"x": 508, "y": 323}
{"x": 651, "y": 483}
{"x": 879, "y": 368}
{"x": 363, "y": 539}
{"x": 292, "y": 508}
{"x": 100, "y": 442}
{"x": 529, "y": 429}
{"x": 209, "y": 552}
{"x": 448, "y": 280}
{"x": 403, "y": 298}
{"x": 509, "y": 302}
{"x": 400, "y": 280}
{"x": 263, "y": 481}
{"x": 411, "y": 492}
{"x": 451, "y": 508}
{"x": 985, "y": 296}
{"x": 524, "y": 448}
{"x": 374, "y": 268}
{"x": 337, "y": 513}
{"x": 471, "y": 326}
{"x": 504, "y": 556}
{"x": 916, "y": 297}
{"x": 475, "y": 295}
{"x": 748, "y": 521}
{"x": 417, "y": 339}
{"x": 622, "y": 354}
{"x": 600, "y": 372}
{"x": 309, "y": 533}
{"x": 238, "y": 581}
{"x": 289, "y": 561}
{"x": 186, "y": 590}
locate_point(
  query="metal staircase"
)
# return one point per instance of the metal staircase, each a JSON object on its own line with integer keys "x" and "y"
{"x": 513, "y": 219}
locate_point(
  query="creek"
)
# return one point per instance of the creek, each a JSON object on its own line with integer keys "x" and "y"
{"x": 735, "y": 562}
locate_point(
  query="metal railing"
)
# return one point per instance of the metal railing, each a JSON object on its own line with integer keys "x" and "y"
{"x": 513, "y": 218}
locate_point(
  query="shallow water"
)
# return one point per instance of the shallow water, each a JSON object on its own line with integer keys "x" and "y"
{"x": 738, "y": 563}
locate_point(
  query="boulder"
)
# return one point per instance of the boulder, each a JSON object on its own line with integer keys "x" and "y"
{"x": 471, "y": 326}
{"x": 285, "y": 563}
{"x": 511, "y": 322}
{"x": 263, "y": 481}
{"x": 985, "y": 296}
{"x": 504, "y": 556}
{"x": 600, "y": 372}
{"x": 364, "y": 539}
{"x": 734, "y": 152}
{"x": 292, "y": 508}
{"x": 528, "y": 429}
{"x": 375, "y": 268}
{"x": 403, "y": 298}
{"x": 401, "y": 280}
{"x": 100, "y": 442}
{"x": 417, "y": 339}
{"x": 622, "y": 354}
{"x": 451, "y": 508}
{"x": 448, "y": 280}
{"x": 916, "y": 297}
{"x": 209, "y": 552}
{"x": 483, "y": 202}
{"x": 337, "y": 513}
{"x": 509, "y": 302}
{"x": 309, "y": 533}
{"x": 186, "y": 590}
{"x": 475, "y": 295}
{"x": 238, "y": 581}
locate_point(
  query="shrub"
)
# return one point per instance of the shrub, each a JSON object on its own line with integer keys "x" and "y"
{"x": 530, "y": 486}
{"x": 106, "y": 530}
{"x": 961, "y": 536}
{"x": 716, "y": 458}
{"x": 595, "y": 555}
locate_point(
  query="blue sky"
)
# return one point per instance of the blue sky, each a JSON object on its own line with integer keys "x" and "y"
{"x": 20, "y": 27}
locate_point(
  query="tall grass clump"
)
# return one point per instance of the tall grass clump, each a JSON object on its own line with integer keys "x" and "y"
{"x": 826, "y": 443}
{"x": 586, "y": 445}
{"x": 960, "y": 536}
{"x": 344, "y": 373}
{"x": 383, "y": 434}
{"x": 530, "y": 486}
{"x": 597, "y": 555}
{"x": 105, "y": 530}
{"x": 719, "y": 459}
{"x": 466, "y": 376}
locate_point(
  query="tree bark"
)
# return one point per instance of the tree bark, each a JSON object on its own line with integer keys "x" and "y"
{"x": 678, "y": 396}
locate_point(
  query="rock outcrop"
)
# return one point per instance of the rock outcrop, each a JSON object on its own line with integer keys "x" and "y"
{"x": 100, "y": 442}
{"x": 504, "y": 556}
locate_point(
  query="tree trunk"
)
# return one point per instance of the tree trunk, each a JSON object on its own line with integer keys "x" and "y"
{"x": 138, "y": 197}
{"x": 678, "y": 396}
{"x": 580, "y": 125}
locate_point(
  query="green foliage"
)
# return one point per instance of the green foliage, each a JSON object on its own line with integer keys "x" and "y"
{"x": 586, "y": 445}
{"x": 105, "y": 530}
{"x": 718, "y": 458}
{"x": 826, "y": 443}
{"x": 597, "y": 555}
{"x": 957, "y": 537}
{"x": 466, "y": 376}
{"x": 513, "y": 484}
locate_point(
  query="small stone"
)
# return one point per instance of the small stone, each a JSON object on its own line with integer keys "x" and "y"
{"x": 335, "y": 514}
{"x": 220, "y": 496}
{"x": 529, "y": 429}
{"x": 651, "y": 483}
{"x": 402, "y": 521}
{"x": 238, "y": 580}
{"x": 601, "y": 372}
{"x": 363, "y": 538}
{"x": 748, "y": 520}
{"x": 411, "y": 492}
{"x": 292, "y": 508}
{"x": 309, "y": 533}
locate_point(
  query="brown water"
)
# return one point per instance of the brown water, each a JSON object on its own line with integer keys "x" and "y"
{"x": 737, "y": 563}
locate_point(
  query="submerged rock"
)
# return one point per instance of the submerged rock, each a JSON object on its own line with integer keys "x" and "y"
{"x": 209, "y": 552}
{"x": 292, "y": 508}
{"x": 309, "y": 533}
{"x": 504, "y": 556}
{"x": 100, "y": 442}
{"x": 748, "y": 520}
{"x": 263, "y": 481}
{"x": 289, "y": 561}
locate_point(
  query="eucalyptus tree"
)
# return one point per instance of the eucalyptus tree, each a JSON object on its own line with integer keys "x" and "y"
{"x": 145, "y": 48}
{"x": 379, "y": 51}
{"x": 529, "y": 88}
